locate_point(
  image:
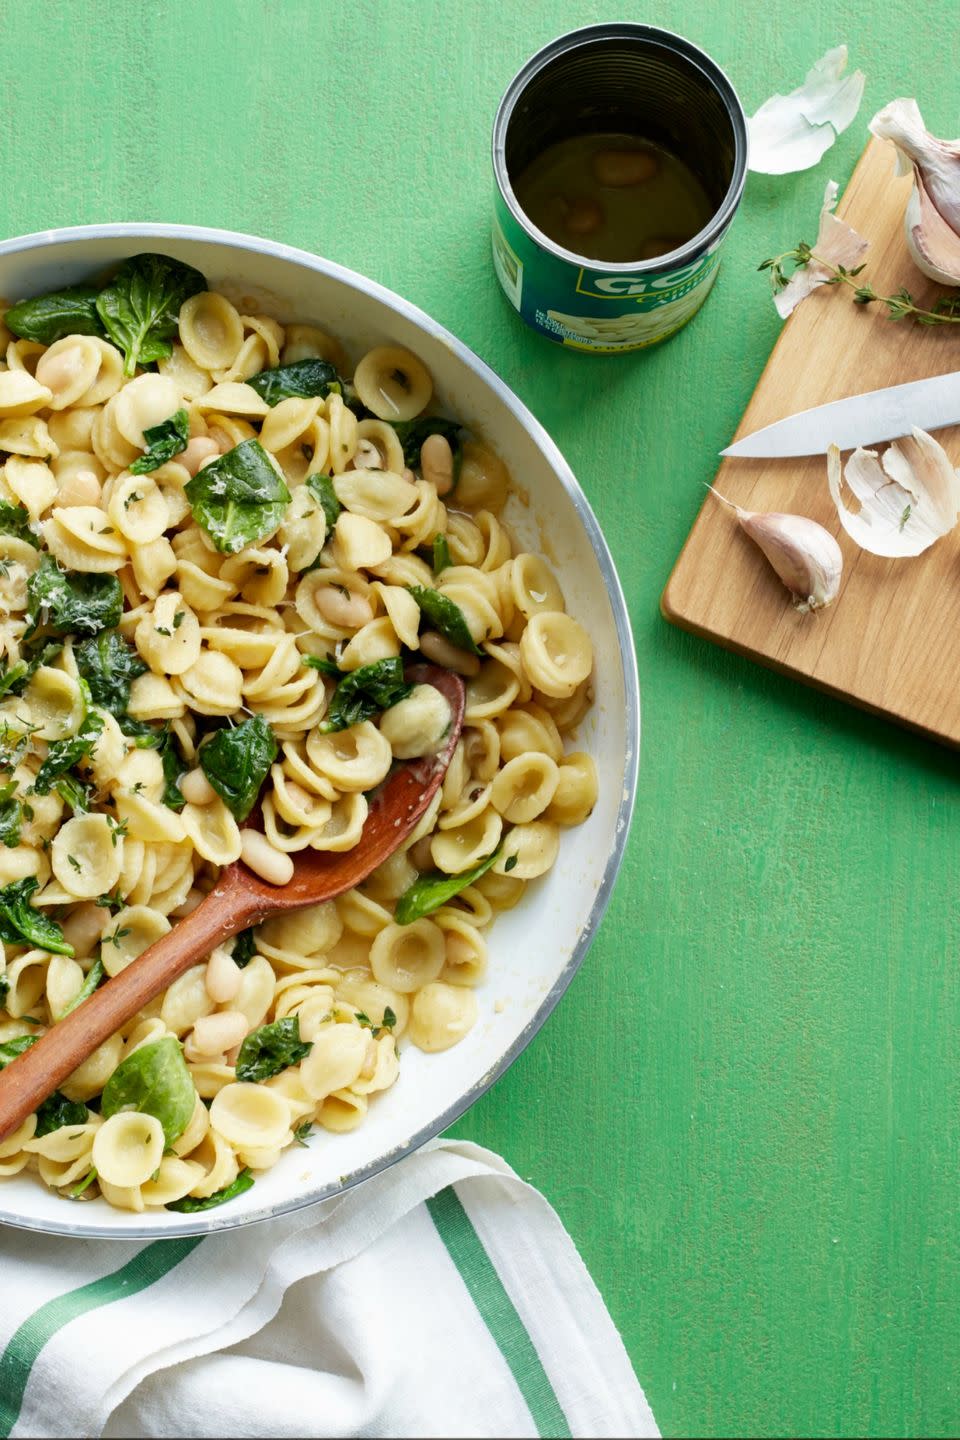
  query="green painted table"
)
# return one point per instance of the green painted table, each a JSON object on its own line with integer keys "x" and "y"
{"x": 746, "y": 1110}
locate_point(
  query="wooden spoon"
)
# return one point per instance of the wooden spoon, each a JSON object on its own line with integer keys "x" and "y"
{"x": 239, "y": 898}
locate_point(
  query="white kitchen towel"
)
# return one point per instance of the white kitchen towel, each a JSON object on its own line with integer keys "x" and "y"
{"x": 440, "y": 1298}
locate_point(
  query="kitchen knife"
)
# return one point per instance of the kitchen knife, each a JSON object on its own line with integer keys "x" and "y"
{"x": 859, "y": 420}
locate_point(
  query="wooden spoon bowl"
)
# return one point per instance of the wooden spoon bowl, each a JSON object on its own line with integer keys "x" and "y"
{"x": 239, "y": 899}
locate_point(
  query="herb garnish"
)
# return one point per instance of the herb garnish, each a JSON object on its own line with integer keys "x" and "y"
{"x": 900, "y": 306}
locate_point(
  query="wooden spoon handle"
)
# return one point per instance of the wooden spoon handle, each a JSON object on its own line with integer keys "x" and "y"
{"x": 36, "y": 1073}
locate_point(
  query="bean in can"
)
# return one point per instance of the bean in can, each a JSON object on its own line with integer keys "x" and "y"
{"x": 620, "y": 156}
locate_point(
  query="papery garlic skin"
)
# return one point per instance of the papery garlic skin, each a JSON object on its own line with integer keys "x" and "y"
{"x": 908, "y": 499}
{"x": 806, "y": 557}
{"x": 792, "y": 132}
{"x": 837, "y": 244}
{"x": 932, "y": 219}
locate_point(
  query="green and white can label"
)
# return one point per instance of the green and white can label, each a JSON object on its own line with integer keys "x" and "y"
{"x": 597, "y": 310}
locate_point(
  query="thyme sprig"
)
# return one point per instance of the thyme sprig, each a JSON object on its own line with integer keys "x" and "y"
{"x": 900, "y": 306}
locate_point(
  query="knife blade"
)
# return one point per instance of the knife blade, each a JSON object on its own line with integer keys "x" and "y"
{"x": 859, "y": 420}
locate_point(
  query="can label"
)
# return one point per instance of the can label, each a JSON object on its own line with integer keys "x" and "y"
{"x": 594, "y": 310}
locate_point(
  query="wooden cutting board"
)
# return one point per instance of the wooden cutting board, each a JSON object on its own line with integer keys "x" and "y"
{"x": 891, "y": 641}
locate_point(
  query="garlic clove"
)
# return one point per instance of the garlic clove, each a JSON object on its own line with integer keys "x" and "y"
{"x": 806, "y": 556}
{"x": 908, "y": 499}
{"x": 932, "y": 220}
{"x": 837, "y": 244}
{"x": 792, "y": 132}
{"x": 934, "y": 247}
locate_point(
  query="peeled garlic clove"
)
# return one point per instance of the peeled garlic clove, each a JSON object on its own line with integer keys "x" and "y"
{"x": 908, "y": 499}
{"x": 932, "y": 220}
{"x": 805, "y": 555}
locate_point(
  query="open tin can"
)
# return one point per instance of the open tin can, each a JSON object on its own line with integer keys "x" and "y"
{"x": 635, "y": 80}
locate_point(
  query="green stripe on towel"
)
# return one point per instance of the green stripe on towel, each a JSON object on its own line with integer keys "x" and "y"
{"x": 499, "y": 1313}
{"x": 16, "y": 1363}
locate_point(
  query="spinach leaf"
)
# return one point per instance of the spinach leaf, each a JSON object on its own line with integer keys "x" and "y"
{"x": 141, "y": 305}
{"x": 365, "y": 691}
{"x": 14, "y": 744}
{"x": 153, "y": 1079}
{"x": 19, "y": 921}
{"x": 189, "y": 1205}
{"x": 62, "y": 755}
{"x": 412, "y": 433}
{"x": 238, "y": 498}
{"x": 83, "y": 1183}
{"x": 302, "y": 1133}
{"x": 446, "y": 617}
{"x": 429, "y": 891}
{"x": 11, "y": 816}
{"x": 109, "y": 664}
{"x": 92, "y": 980}
{"x": 15, "y": 678}
{"x": 72, "y": 602}
{"x": 322, "y": 487}
{"x": 303, "y": 378}
{"x": 173, "y": 768}
{"x": 164, "y": 441}
{"x": 236, "y": 762}
{"x": 57, "y": 1111}
{"x": 325, "y": 665}
{"x": 10, "y": 1049}
{"x": 270, "y": 1049}
{"x": 244, "y": 948}
{"x": 144, "y": 735}
{"x": 441, "y": 553}
{"x": 15, "y": 520}
{"x": 46, "y": 318}
{"x": 74, "y": 793}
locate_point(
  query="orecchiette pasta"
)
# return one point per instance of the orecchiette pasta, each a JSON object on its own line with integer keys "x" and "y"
{"x": 149, "y": 611}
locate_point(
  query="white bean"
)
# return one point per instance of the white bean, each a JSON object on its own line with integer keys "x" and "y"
{"x": 624, "y": 167}
{"x": 434, "y": 647}
{"x": 213, "y": 1034}
{"x": 348, "y": 612}
{"x": 436, "y": 462}
{"x": 199, "y": 449}
{"x": 583, "y": 217}
{"x": 222, "y": 978}
{"x": 196, "y": 788}
{"x": 270, "y": 864}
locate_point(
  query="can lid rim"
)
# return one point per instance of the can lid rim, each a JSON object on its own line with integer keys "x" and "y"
{"x": 698, "y": 245}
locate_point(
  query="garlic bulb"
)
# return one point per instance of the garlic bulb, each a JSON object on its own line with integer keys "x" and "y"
{"x": 805, "y": 555}
{"x": 932, "y": 221}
